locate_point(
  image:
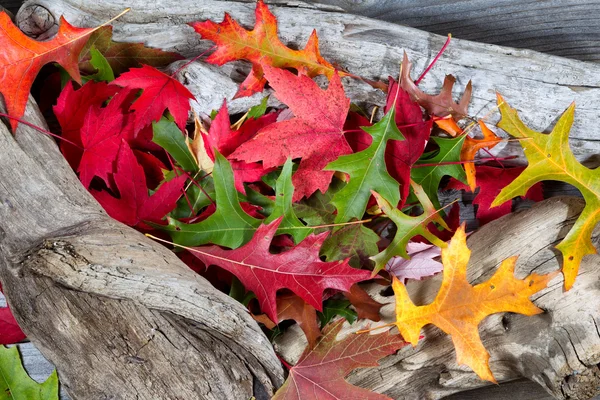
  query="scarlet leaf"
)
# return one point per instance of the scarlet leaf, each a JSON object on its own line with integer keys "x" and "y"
{"x": 491, "y": 181}
{"x": 401, "y": 155}
{"x": 22, "y": 58}
{"x": 441, "y": 104}
{"x": 134, "y": 205}
{"x": 261, "y": 47}
{"x": 459, "y": 307}
{"x": 550, "y": 158}
{"x": 319, "y": 375}
{"x": 10, "y": 332}
{"x": 122, "y": 56}
{"x": 316, "y": 133}
{"x": 298, "y": 269}
{"x": 160, "y": 91}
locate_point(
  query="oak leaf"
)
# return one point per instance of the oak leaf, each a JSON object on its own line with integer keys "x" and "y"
{"x": 290, "y": 306}
{"x": 442, "y": 104}
{"x": 15, "y": 384}
{"x": 298, "y": 269}
{"x": 550, "y": 158}
{"x": 421, "y": 264}
{"x": 260, "y": 46}
{"x": 459, "y": 307}
{"x": 365, "y": 305}
{"x": 316, "y": 133}
{"x": 10, "y": 331}
{"x": 22, "y": 58}
{"x": 320, "y": 372}
{"x": 470, "y": 148}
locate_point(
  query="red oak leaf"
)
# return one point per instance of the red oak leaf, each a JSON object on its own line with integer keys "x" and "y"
{"x": 10, "y": 332}
{"x": 160, "y": 91}
{"x": 22, "y": 58}
{"x": 400, "y": 155}
{"x": 490, "y": 181}
{"x": 320, "y": 372}
{"x": 134, "y": 205}
{"x": 71, "y": 109}
{"x": 299, "y": 269}
{"x": 316, "y": 133}
{"x": 227, "y": 140}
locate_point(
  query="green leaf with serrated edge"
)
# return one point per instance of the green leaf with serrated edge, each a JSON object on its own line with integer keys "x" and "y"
{"x": 198, "y": 198}
{"x": 550, "y": 158}
{"x": 356, "y": 242}
{"x": 122, "y": 56}
{"x": 103, "y": 68}
{"x": 430, "y": 177}
{"x": 408, "y": 227}
{"x": 167, "y": 135}
{"x": 318, "y": 209}
{"x": 15, "y": 384}
{"x": 259, "y": 110}
{"x": 331, "y": 308}
{"x": 229, "y": 226}
{"x": 284, "y": 189}
{"x": 367, "y": 172}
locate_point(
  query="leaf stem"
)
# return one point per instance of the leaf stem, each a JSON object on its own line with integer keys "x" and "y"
{"x": 437, "y": 57}
{"x": 42, "y": 130}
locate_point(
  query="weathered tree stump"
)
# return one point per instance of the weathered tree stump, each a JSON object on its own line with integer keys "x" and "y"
{"x": 122, "y": 317}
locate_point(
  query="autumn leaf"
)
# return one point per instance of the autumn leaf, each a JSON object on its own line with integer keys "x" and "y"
{"x": 421, "y": 264}
{"x": 122, "y": 56}
{"x": 22, "y": 58}
{"x": 298, "y": 269}
{"x": 290, "y": 306}
{"x": 134, "y": 205}
{"x": 368, "y": 171}
{"x": 228, "y": 226}
{"x": 442, "y": 104}
{"x": 550, "y": 158}
{"x": 261, "y": 47}
{"x": 459, "y": 307}
{"x": 159, "y": 92}
{"x": 15, "y": 384}
{"x": 10, "y": 331}
{"x": 320, "y": 372}
{"x": 407, "y": 227}
{"x": 470, "y": 148}
{"x": 365, "y": 305}
{"x": 491, "y": 180}
{"x": 429, "y": 171}
{"x": 316, "y": 133}
{"x": 355, "y": 241}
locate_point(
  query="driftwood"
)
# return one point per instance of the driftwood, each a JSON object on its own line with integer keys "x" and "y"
{"x": 121, "y": 317}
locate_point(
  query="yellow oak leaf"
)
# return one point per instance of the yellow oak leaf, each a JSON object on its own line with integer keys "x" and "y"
{"x": 459, "y": 307}
{"x": 550, "y": 158}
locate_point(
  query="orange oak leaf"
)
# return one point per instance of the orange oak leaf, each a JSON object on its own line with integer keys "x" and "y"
{"x": 22, "y": 58}
{"x": 365, "y": 305}
{"x": 459, "y": 307}
{"x": 472, "y": 146}
{"x": 441, "y": 104}
{"x": 320, "y": 372}
{"x": 290, "y": 306}
{"x": 261, "y": 46}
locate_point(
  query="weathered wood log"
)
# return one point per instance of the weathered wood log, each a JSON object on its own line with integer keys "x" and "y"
{"x": 541, "y": 85}
{"x": 559, "y": 349}
{"x": 119, "y": 315}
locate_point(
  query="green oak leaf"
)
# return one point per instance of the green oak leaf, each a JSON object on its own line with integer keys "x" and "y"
{"x": 407, "y": 227}
{"x": 15, "y": 384}
{"x": 103, "y": 68}
{"x": 550, "y": 158}
{"x": 259, "y": 110}
{"x": 198, "y": 198}
{"x": 168, "y": 136}
{"x": 229, "y": 226}
{"x": 368, "y": 171}
{"x": 355, "y": 241}
{"x": 331, "y": 308}
{"x": 284, "y": 189}
{"x": 318, "y": 209}
{"x": 430, "y": 177}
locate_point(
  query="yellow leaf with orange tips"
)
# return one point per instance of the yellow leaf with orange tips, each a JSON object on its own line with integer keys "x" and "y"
{"x": 459, "y": 307}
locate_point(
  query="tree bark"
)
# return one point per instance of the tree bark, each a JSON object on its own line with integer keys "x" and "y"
{"x": 122, "y": 317}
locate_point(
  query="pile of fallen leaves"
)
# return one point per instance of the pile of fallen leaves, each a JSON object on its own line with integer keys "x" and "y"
{"x": 287, "y": 209}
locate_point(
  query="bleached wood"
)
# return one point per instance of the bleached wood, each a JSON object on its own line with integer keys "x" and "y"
{"x": 119, "y": 315}
{"x": 540, "y": 85}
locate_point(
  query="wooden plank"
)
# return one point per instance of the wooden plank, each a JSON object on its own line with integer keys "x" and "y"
{"x": 563, "y": 28}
